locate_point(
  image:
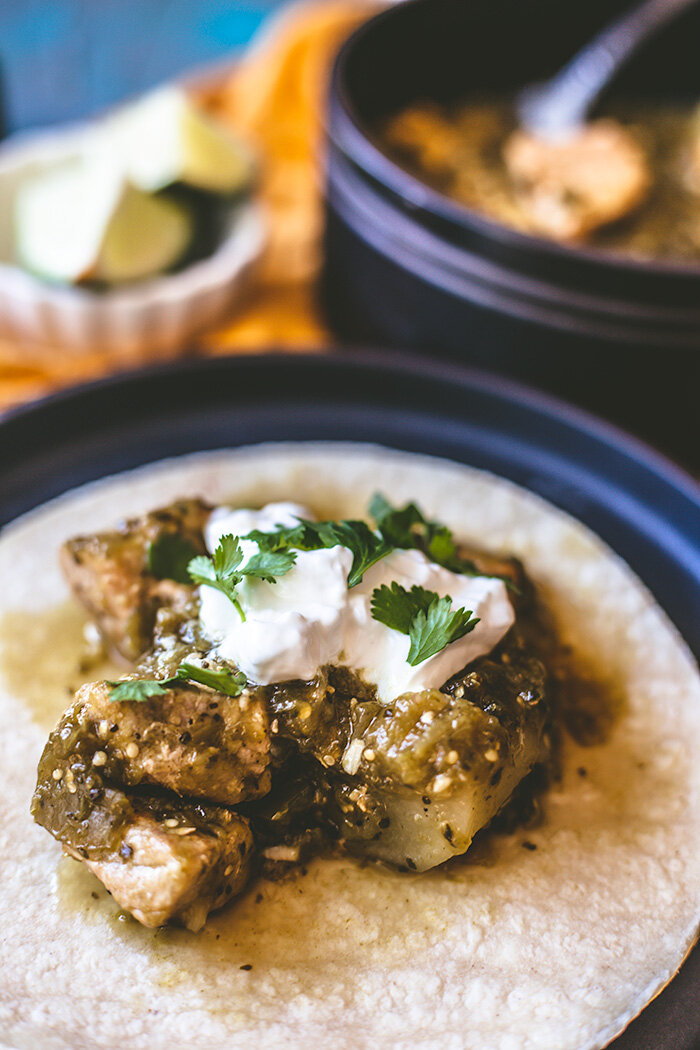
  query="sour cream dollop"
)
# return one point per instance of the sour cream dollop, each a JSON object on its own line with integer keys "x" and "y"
{"x": 309, "y": 618}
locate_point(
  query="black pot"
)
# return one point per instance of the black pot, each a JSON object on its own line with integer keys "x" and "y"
{"x": 405, "y": 265}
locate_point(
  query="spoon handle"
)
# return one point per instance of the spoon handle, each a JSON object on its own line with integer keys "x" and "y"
{"x": 563, "y": 102}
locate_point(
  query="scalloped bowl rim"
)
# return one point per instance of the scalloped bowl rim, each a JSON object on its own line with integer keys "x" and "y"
{"x": 242, "y": 241}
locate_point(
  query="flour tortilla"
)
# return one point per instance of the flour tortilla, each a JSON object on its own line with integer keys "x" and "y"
{"x": 511, "y": 949}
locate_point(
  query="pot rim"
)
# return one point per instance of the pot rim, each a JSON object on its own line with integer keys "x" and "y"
{"x": 425, "y": 244}
{"x": 356, "y": 140}
{"x": 513, "y": 295}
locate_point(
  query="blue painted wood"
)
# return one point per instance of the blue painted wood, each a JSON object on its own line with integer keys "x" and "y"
{"x": 65, "y": 59}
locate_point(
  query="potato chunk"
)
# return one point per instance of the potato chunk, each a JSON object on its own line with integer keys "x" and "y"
{"x": 434, "y": 768}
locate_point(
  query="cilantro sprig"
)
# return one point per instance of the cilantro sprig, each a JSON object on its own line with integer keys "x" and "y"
{"x": 232, "y": 683}
{"x": 407, "y": 528}
{"x": 429, "y": 620}
{"x": 225, "y": 572}
{"x": 403, "y": 527}
{"x": 366, "y": 546}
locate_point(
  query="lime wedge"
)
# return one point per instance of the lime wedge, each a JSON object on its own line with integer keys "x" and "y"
{"x": 165, "y": 138}
{"x": 83, "y": 221}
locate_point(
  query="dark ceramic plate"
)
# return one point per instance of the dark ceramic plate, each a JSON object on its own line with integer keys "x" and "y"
{"x": 642, "y": 505}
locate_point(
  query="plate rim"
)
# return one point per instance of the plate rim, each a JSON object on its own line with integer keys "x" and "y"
{"x": 28, "y": 418}
{"x": 407, "y": 362}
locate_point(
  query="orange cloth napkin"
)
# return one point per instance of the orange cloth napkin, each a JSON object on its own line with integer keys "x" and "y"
{"x": 275, "y": 98}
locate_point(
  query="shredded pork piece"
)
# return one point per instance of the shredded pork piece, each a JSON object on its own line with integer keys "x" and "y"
{"x": 571, "y": 186}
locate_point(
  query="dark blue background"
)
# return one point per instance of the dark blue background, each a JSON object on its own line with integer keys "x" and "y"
{"x": 64, "y": 59}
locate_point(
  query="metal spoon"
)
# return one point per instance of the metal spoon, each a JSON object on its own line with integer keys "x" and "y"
{"x": 562, "y": 104}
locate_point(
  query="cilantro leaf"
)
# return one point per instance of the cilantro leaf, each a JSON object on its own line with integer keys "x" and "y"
{"x": 138, "y": 689}
{"x": 268, "y": 565}
{"x": 396, "y": 607}
{"x": 407, "y": 528}
{"x": 304, "y": 536}
{"x": 232, "y": 683}
{"x": 429, "y": 620}
{"x": 201, "y": 570}
{"x": 227, "y": 557}
{"x": 397, "y": 525}
{"x": 366, "y": 546}
{"x": 223, "y": 681}
{"x": 169, "y": 555}
{"x": 225, "y": 572}
{"x": 204, "y": 571}
{"x": 437, "y": 627}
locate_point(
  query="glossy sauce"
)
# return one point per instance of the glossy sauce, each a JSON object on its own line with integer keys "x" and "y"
{"x": 459, "y": 151}
{"x": 43, "y": 659}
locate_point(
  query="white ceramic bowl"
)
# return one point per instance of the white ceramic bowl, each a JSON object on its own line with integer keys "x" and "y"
{"x": 151, "y": 319}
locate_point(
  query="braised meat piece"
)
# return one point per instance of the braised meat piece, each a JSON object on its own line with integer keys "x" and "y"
{"x": 177, "y": 868}
{"x": 190, "y": 740}
{"x": 569, "y": 187}
{"x": 110, "y": 574}
{"x": 162, "y": 858}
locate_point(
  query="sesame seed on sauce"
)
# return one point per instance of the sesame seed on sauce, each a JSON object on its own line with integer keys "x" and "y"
{"x": 132, "y": 750}
{"x": 452, "y": 757}
{"x": 99, "y": 758}
{"x": 368, "y": 754}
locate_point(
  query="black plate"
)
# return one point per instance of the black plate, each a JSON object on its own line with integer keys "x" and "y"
{"x": 641, "y": 504}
